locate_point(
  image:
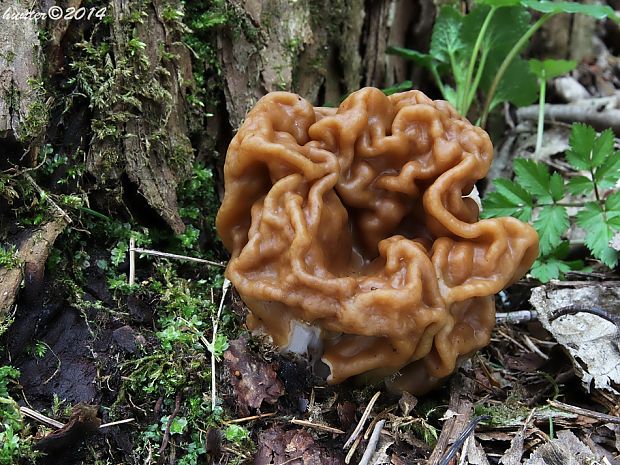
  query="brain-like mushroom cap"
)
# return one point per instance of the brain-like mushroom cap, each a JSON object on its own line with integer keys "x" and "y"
{"x": 355, "y": 220}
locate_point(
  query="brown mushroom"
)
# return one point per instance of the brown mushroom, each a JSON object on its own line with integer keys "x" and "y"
{"x": 353, "y": 224}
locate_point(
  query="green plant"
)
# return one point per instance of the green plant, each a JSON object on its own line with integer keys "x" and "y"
{"x": 480, "y": 50}
{"x": 8, "y": 257}
{"x": 15, "y": 443}
{"x": 536, "y": 190}
{"x": 544, "y": 71}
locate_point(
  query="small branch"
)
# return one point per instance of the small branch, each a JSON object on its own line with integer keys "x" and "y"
{"x": 574, "y": 113}
{"x": 518, "y": 317}
{"x": 320, "y": 426}
{"x": 47, "y": 197}
{"x": 372, "y": 443}
{"x": 360, "y": 426}
{"x": 602, "y": 417}
{"x": 116, "y": 423}
{"x": 28, "y": 412}
{"x": 572, "y": 310}
{"x": 132, "y": 261}
{"x": 177, "y": 257}
{"x": 225, "y": 288}
{"x": 251, "y": 418}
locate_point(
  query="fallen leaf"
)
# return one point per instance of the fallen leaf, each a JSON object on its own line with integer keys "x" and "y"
{"x": 253, "y": 380}
{"x": 294, "y": 447}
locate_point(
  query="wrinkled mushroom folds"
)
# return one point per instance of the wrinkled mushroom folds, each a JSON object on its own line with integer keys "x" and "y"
{"x": 356, "y": 221}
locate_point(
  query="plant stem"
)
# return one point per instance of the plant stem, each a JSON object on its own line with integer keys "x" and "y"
{"x": 541, "y": 115}
{"x": 474, "y": 87}
{"x": 506, "y": 63}
{"x": 472, "y": 62}
{"x": 438, "y": 81}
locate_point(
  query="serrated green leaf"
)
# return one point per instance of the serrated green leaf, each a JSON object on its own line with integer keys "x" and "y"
{"x": 612, "y": 204}
{"x": 534, "y": 177}
{"x": 551, "y": 223}
{"x": 546, "y": 269}
{"x": 509, "y": 199}
{"x": 556, "y": 187}
{"x": 603, "y": 147}
{"x": 581, "y": 143}
{"x": 598, "y": 233}
{"x": 549, "y": 69}
{"x": 608, "y": 174}
{"x": 597, "y": 11}
{"x": 579, "y": 185}
{"x": 446, "y": 38}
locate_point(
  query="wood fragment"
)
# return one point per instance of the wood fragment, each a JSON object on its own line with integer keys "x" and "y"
{"x": 116, "y": 423}
{"x": 572, "y": 113}
{"x": 250, "y": 418}
{"x": 360, "y": 425}
{"x": 517, "y": 317}
{"x": 372, "y": 443}
{"x": 33, "y": 414}
{"x": 157, "y": 253}
{"x": 309, "y": 424}
{"x": 603, "y": 417}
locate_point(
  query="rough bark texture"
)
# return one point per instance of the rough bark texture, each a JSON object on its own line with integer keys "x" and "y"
{"x": 20, "y": 74}
{"x": 150, "y": 137}
{"x": 319, "y": 50}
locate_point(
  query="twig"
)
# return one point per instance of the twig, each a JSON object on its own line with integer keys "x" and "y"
{"x": 517, "y": 317}
{"x": 309, "y": 424}
{"x": 175, "y": 412}
{"x": 603, "y": 417}
{"x": 456, "y": 446}
{"x": 253, "y": 417}
{"x": 115, "y": 423}
{"x": 132, "y": 261}
{"x": 533, "y": 348}
{"x": 225, "y": 288}
{"x": 360, "y": 425}
{"x": 47, "y": 197}
{"x": 372, "y": 443}
{"x": 292, "y": 460}
{"x": 572, "y": 309}
{"x": 157, "y": 253}
{"x": 571, "y": 113}
{"x": 28, "y": 412}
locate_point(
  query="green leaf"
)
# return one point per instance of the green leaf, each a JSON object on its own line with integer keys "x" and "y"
{"x": 518, "y": 86}
{"x": 548, "y": 268}
{"x": 598, "y": 232}
{"x": 551, "y": 223}
{"x": 580, "y": 185}
{"x": 450, "y": 95}
{"x": 446, "y": 39}
{"x": 509, "y": 199}
{"x": 499, "y": 3}
{"x": 608, "y": 174}
{"x": 402, "y": 87}
{"x": 534, "y": 177}
{"x": 422, "y": 59}
{"x": 549, "y": 69}
{"x": 581, "y": 142}
{"x": 556, "y": 187}
{"x": 597, "y": 11}
{"x": 603, "y": 147}
{"x": 236, "y": 433}
{"x": 612, "y": 204}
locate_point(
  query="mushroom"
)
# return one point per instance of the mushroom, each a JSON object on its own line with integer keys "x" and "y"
{"x": 352, "y": 235}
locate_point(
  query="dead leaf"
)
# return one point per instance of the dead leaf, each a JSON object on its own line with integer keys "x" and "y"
{"x": 567, "y": 449}
{"x": 253, "y": 380}
{"x": 591, "y": 341}
{"x": 294, "y": 447}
